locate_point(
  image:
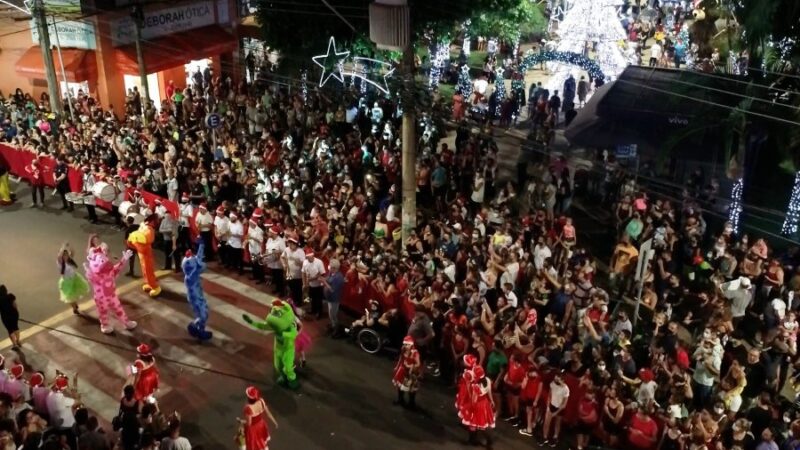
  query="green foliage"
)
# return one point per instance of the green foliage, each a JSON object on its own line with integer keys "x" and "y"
{"x": 506, "y": 24}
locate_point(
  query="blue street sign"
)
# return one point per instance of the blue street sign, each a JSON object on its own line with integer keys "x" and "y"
{"x": 213, "y": 120}
{"x": 625, "y": 151}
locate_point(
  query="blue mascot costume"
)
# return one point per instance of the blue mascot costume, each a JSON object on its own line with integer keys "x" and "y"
{"x": 193, "y": 266}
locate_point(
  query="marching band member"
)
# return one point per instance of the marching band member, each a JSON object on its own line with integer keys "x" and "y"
{"x": 293, "y": 258}
{"x": 120, "y": 192}
{"x": 255, "y": 242}
{"x": 61, "y": 405}
{"x": 204, "y": 222}
{"x": 160, "y": 209}
{"x": 221, "y": 233}
{"x": 274, "y": 251}
{"x": 16, "y": 386}
{"x": 235, "y": 235}
{"x": 185, "y": 222}
{"x": 88, "y": 199}
{"x": 407, "y": 372}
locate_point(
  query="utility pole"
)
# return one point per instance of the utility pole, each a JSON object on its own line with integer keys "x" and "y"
{"x": 67, "y": 92}
{"x": 40, "y": 17}
{"x": 409, "y": 150}
{"x": 390, "y": 29}
{"x": 138, "y": 19}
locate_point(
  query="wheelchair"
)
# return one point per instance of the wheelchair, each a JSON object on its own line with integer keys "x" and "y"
{"x": 376, "y": 339}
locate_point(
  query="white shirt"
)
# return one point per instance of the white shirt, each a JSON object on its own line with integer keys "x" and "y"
{"x": 172, "y": 189}
{"x": 313, "y": 270}
{"x": 558, "y": 394}
{"x": 236, "y": 234}
{"x": 478, "y": 192}
{"x": 655, "y": 51}
{"x": 481, "y": 85}
{"x": 59, "y": 408}
{"x": 204, "y": 221}
{"x": 275, "y": 248}
{"x": 88, "y": 183}
{"x": 511, "y": 298}
{"x": 295, "y": 260}
{"x": 255, "y": 237}
{"x": 181, "y": 443}
{"x": 121, "y": 194}
{"x": 221, "y": 228}
{"x": 187, "y": 211}
{"x": 540, "y": 253}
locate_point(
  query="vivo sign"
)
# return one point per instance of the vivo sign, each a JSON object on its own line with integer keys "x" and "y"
{"x": 164, "y": 21}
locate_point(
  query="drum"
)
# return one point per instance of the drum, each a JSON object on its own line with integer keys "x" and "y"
{"x": 127, "y": 207}
{"x": 104, "y": 191}
{"x": 74, "y": 197}
{"x": 137, "y": 218}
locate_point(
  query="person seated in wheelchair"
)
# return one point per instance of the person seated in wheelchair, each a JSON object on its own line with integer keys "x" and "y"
{"x": 372, "y": 314}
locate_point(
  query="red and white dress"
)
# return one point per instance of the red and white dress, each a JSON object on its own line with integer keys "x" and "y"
{"x": 463, "y": 399}
{"x": 256, "y": 433}
{"x": 482, "y": 410}
{"x": 406, "y": 371}
{"x": 147, "y": 382}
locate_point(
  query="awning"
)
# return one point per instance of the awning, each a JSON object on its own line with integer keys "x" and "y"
{"x": 79, "y": 65}
{"x": 176, "y": 49}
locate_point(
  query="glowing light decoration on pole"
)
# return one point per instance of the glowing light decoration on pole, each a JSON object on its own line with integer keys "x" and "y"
{"x": 735, "y": 210}
{"x": 440, "y": 53}
{"x": 500, "y": 90}
{"x": 467, "y": 39}
{"x": 465, "y": 82}
{"x": 790, "y": 224}
{"x": 340, "y": 72}
{"x": 304, "y": 85}
{"x": 591, "y": 21}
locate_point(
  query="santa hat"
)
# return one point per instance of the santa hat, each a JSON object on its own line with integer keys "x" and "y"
{"x": 275, "y": 229}
{"x": 408, "y": 340}
{"x": 292, "y": 240}
{"x": 233, "y": 215}
{"x": 61, "y": 382}
{"x": 188, "y": 254}
{"x": 257, "y": 213}
{"x": 646, "y": 375}
{"x": 469, "y": 361}
{"x": 203, "y": 206}
{"x": 185, "y": 197}
{"x": 252, "y": 393}
{"x": 143, "y": 349}
{"x": 309, "y": 251}
{"x": 17, "y": 370}
{"x": 36, "y": 380}
{"x": 158, "y": 201}
{"x": 220, "y": 209}
{"x": 137, "y": 192}
{"x": 478, "y": 372}
{"x": 277, "y": 303}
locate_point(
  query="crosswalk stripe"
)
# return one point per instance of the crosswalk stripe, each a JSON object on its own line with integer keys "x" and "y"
{"x": 215, "y": 304}
{"x": 181, "y": 320}
{"x": 102, "y": 404}
{"x": 240, "y": 288}
{"x": 102, "y": 355}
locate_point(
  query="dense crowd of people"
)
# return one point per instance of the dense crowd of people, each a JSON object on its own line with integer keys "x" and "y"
{"x": 304, "y": 195}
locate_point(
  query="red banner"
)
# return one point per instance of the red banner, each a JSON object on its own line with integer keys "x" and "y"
{"x": 18, "y": 160}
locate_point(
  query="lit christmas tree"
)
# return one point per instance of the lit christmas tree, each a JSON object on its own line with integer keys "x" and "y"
{"x": 440, "y": 53}
{"x": 793, "y": 210}
{"x": 500, "y": 90}
{"x": 592, "y": 22}
{"x": 465, "y": 82}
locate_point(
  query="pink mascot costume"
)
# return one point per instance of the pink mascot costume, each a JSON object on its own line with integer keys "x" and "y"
{"x": 102, "y": 275}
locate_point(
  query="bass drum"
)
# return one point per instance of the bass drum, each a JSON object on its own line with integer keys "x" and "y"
{"x": 104, "y": 191}
{"x": 127, "y": 207}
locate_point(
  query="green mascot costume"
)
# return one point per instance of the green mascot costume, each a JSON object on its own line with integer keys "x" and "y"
{"x": 281, "y": 321}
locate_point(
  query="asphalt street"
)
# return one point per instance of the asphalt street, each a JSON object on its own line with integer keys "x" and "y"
{"x": 345, "y": 399}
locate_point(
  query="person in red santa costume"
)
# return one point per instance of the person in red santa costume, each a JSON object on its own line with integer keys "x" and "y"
{"x": 463, "y": 397}
{"x": 145, "y": 374}
{"x": 481, "y": 413}
{"x": 407, "y": 373}
{"x": 36, "y": 176}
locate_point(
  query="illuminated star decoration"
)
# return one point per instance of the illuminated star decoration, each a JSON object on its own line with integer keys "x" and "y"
{"x": 359, "y": 68}
{"x": 337, "y": 71}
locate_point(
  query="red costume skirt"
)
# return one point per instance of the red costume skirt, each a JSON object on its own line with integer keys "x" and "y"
{"x": 482, "y": 414}
{"x": 256, "y": 435}
{"x": 147, "y": 383}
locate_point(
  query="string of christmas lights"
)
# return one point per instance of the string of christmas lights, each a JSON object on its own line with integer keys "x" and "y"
{"x": 735, "y": 210}
{"x": 591, "y": 66}
{"x": 790, "y": 224}
{"x": 304, "y": 86}
{"x": 465, "y": 82}
{"x": 500, "y": 90}
{"x": 440, "y": 53}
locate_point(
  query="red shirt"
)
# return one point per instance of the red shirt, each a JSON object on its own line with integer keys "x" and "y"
{"x": 648, "y": 428}
{"x": 532, "y": 388}
{"x": 516, "y": 372}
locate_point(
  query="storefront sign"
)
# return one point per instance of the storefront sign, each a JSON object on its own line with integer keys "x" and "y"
{"x": 70, "y": 34}
{"x": 164, "y": 21}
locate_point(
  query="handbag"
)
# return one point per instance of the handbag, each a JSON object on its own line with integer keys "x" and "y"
{"x": 116, "y": 422}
